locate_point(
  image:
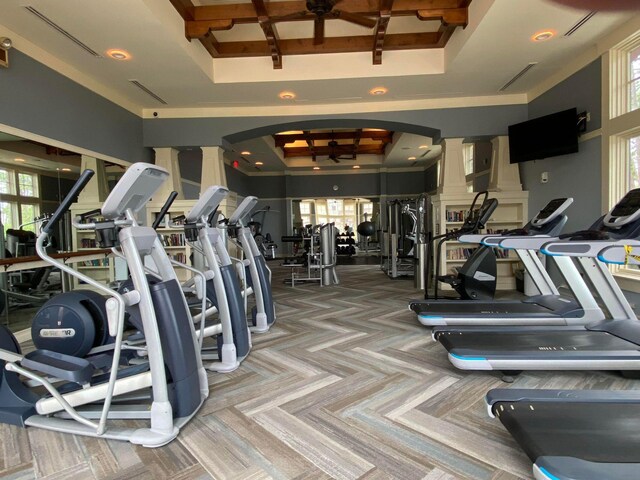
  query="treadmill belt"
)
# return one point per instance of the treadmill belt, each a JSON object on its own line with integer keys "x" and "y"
{"x": 596, "y": 432}
{"x": 546, "y": 341}
{"x": 467, "y": 307}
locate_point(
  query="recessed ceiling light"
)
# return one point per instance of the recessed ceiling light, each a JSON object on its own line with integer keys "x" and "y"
{"x": 246, "y": 152}
{"x": 422, "y": 147}
{"x": 118, "y": 54}
{"x": 19, "y": 159}
{"x": 542, "y": 36}
{"x": 316, "y": 168}
{"x": 259, "y": 163}
{"x": 378, "y": 91}
{"x": 66, "y": 169}
{"x": 287, "y": 95}
{"x": 411, "y": 158}
{"x": 356, "y": 166}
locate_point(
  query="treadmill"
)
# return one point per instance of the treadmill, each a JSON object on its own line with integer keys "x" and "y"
{"x": 612, "y": 344}
{"x": 573, "y": 434}
{"x": 546, "y": 308}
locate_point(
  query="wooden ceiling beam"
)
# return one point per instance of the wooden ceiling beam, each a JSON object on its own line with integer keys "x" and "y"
{"x": 199, "y": 29}
{"x": 291, "y": 152}
{"x": 269, "y": 32}
{"x": 304, "y": 46}
{"x": 455, "y": 17}
{"x": 283, "y": 139}
{"x": 381, "y": 29}
{"x": 184, "y": 8}
{"x": 245, "y": 13}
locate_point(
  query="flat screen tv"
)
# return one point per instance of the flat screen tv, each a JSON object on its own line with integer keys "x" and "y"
{"x": 543, "y": 137}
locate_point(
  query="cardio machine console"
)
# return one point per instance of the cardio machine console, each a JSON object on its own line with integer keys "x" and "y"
{"x": 553, "y": 209}
{"x": 626, "y": 211}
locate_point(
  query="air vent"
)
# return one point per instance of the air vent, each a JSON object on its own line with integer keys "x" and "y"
{"x": 518, "y": 75}
{"x": 61, "y": 30}
{"x": 580, "y": 23}
{"x": 147, "y": 91}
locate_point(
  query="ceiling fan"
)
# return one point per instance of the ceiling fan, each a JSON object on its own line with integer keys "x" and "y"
{"x": 323, "y": 9}
{"x": 338, "y": 152}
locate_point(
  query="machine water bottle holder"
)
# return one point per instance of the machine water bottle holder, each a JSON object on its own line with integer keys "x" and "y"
{"x": 107, "y": 235}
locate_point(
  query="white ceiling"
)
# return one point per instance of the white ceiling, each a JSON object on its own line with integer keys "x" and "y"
{"x": 477, "y": 61}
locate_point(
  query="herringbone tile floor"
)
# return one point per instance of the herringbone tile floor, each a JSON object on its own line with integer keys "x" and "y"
{"x": 346, "y": 385}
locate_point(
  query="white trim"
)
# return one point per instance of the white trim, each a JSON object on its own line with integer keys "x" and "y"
{"x": 30, "y": 49}
{"x": 343, "y": 108}
{"x": 360, "y": 171}
{"x": 590, "y": 135}
{"x": 65, "y": 146}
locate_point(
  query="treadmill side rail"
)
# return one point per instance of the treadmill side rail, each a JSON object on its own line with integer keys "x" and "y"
{"x": 570, "y": 468}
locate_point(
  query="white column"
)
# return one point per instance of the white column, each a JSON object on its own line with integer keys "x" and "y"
{"x": 504, "y": 176}
{"x": 168, "y": 158}
{"x": 97, "y": 189}
{"x": 452, "y": 178}
{"x": 213, "y": 172}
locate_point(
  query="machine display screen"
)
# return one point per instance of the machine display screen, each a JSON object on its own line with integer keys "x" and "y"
{"x": 551, "y": 207}
{"x": 628, "y": 205}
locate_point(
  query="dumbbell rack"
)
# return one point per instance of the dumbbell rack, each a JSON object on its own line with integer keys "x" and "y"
{"x": 346, "y": 244}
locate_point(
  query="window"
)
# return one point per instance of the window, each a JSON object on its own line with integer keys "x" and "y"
{"x": 6, "y": 182}
{"x": 634, "y": 81}
{"x": 8, "y": 214}
{"x": 634, "y": 162}
{"x": 467, "y": 155}
{"x": 28, "y": 184}
{"x": 28, "y": 212}
{"x": 19, "y": 202}
{"x": 621, "y": 135}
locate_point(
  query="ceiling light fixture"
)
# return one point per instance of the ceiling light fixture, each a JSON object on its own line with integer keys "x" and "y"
{"x": 246, "y": 152}
{"x": 118, "y": 54}
{"x": 378, "y": 91}
{"x": 542, "y": 36}
{"x": 287, "y": 95}
{"x": 259, "y": 163}
{"x": 356, "y": 167}
{"x": 423, "y": 147}
{"x": 66, "y": 169}
{"x": 19, "y": 159}
{"x": 316, "y": 168}
{"x": 411, "y": 158}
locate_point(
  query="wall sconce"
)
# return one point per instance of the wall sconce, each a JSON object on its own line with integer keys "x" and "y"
{"x": 5, "y": 46}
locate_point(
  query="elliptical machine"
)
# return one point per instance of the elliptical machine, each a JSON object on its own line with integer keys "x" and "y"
{"x": 168, "y": 384}
{"x": 477, "y": 277}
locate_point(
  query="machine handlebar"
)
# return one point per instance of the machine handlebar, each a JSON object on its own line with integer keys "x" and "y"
{"x": 68, "y": 200}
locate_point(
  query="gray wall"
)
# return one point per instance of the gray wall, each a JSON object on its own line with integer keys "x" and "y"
{"x": 39, "y": 100}
{"x": 405, "y": 183}
{"x": 577, "y": 175}
{"x": 313, "y": 186}
{"x": 436, "y": 123}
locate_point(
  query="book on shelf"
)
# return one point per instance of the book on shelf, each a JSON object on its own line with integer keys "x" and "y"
{"x": 464, "y": 253}
{"x": 87, "y": 243}
{"x": 455, "y": 215}
{"x": 173, "y": 240}
{"x": 178, "y": 257}
{"x": 104, "y": 262}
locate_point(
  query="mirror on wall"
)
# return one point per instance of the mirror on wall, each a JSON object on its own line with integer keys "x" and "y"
{"x": 34, "y": 177}
{"x": 345, "y": 213}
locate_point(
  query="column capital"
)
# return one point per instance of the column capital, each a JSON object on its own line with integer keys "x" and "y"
{"x": 452, "y": 178}
{"x": 504, "y": 176}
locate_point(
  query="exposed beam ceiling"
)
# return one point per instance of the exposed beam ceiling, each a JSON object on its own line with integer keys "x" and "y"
{"x": 201, "y": 22}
